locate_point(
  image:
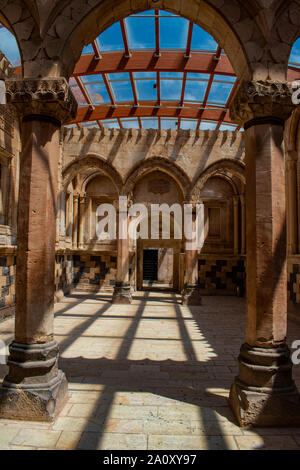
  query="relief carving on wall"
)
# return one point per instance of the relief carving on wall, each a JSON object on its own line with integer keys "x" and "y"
{"x": 159, "y": 186}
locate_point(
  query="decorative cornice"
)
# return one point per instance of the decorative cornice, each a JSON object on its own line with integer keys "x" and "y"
{"x": 50, "y": 98}
{"x": 262, "y": 100}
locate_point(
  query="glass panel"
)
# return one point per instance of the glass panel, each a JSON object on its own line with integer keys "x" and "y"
{"x": 169, "y": 123}
{"x": 171, "y": 90}
{"x": 90, "y": 124}
{"x": 79, "y": 96}
{"x": 171, "y": 75}
{"x": 111, "y": 39}
{"x": 141, "y": 32}
{"x": 98, "y": 93}
{"x": 144, "y": 75}
{"x": 145, "y": 90}
{"x": 201, "y": 40}
{"x": 228, "y": 127}
{"x": 87, "y": 50}
{"x": 187, "y": 124}
{"x": 119, "y": 76}
{"x": 130, "y": 123}
{"x": 198, "y": 76}
{"x": 225, "y": 78}
{"x": 195, "y": 91}
{"x": 122, "y": 91}
{"x": 208, "y": 125}
{"x": 150, "y": 123}
{"x": 9, "y": 46}
{"x": 173, "y": 32}
{"x": 112, "y": 124}
{"x": 91, "y": 78}
{"x": 219, "y": 93}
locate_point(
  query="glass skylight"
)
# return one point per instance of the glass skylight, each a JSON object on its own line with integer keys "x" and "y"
{"x": 167, "y": 41}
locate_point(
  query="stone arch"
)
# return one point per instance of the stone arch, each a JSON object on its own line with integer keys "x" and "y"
{"x": 223, "y": 168}
{"x": 284, "y": 33}
{"x": 92, "y": 161}
{"x": 22, "y": 20}
{"x": 157, "y": 164}
{"x": 292, "y": 132}
{"x": 231, "y": 24}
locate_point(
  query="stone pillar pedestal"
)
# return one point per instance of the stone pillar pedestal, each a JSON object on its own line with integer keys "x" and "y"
{"x": 122, "y": 291}
{"x": 35, "y": 389}
{"x": 264, "y": 394}
{"x": 191, "y": 292}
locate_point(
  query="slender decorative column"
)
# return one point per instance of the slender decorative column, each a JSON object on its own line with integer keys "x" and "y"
{"x": 243, "y": 221}
{"x": 75, "y": 220}
{"x": 82, "y": 209}
{"x": 35, "y": 389}
{"x": 191, "y": 293}
{"x": 264, "y": 393}
{"x": 236, "y": 225}
{"x": 291, "y": 166}
{"x": 122, "y": 294}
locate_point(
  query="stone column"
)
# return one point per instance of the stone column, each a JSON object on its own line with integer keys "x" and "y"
{"x": 291, "y": 166}
{"x": 35, "y": 389}
{"x": 75, "y": 220}
{"x": 243, "y": 222}
{"x": 191, "y": 294}
{"x": 264, "y": 393}
{"x": 82, "y": 209}
{"x": 122, "y": 294}
{"x": 236, "y": 225}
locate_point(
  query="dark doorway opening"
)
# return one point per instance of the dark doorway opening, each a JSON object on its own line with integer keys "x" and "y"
{"x": 150, "y": 265}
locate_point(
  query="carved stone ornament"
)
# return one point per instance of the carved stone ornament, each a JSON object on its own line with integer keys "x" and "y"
{"x": 159, "y": 186}
{"x": 262, "y": 99}
{"x": 49, "y": 97}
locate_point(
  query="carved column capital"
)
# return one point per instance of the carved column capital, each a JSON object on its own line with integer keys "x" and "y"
{"x": 262, "y": 100}
{"x": 50, "y": 98}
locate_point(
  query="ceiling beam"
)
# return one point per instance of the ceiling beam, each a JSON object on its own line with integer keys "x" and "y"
{"x": 144, "y": 61}
{"x": 125, "y": 39}
{"x": 231, "y": 96}
{"x": 189, "y": 40}
{"x": 149, "y": 109}
{"x": 96, "y": 49}
{"x": 213, "y": 66}
{"x": 157, "y": 35}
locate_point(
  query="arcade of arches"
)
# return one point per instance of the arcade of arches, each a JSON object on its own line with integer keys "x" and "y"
{"x": 55, "y": 172}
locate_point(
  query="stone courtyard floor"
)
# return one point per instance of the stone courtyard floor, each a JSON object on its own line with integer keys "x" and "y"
{"x": 153, "y": 375}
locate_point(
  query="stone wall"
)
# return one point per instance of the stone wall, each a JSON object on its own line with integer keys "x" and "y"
{"x": 7, "y": 282}
{"x": 192, "y": 151}
{"x": 294, "y": 279}
{"x": 94, "y": 272}
{"x": 221, "y": 275}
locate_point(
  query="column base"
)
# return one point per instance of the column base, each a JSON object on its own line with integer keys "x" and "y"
{"x": 191, "y": 296}
{"x": 264, "y": 393}
{"x": 122, "y": 293}
{"x": 34, "y": 389}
